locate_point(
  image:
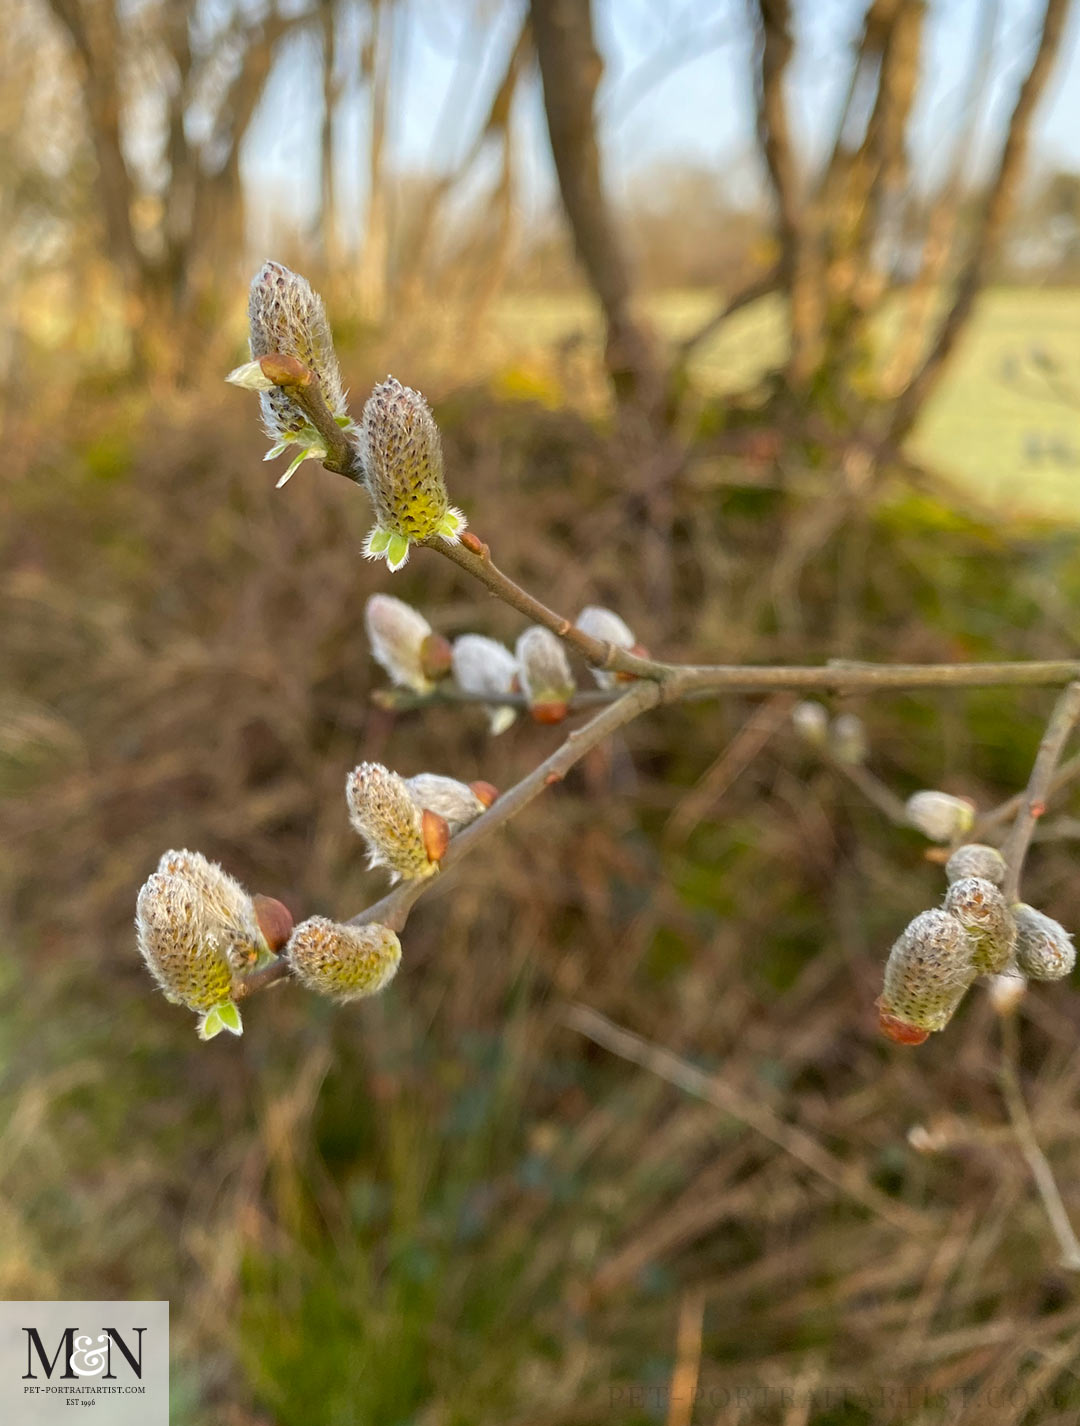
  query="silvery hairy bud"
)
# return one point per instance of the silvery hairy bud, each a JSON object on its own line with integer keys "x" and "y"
{"x": 1044, "y": 949}
{"x": 401, "y": 454}
{"x": 608, "y": 628}
{"x": 403, "y": 643}
{"x": 811, "y": 721}
{"x": 458, "y": 803}
{"x": 343, "y": 962}
{"x": 400, "y": 836}
{"x": 847, "y": 739}
{"x": 484, "y": 667}
{"x": 287, "y": 319}
{"x": 939, "y": 815}
{"x": 545, "y": 674}
{"x": 975, "y": 859}
{"x": 980, "y": 908}
{"x": 927, "y": 975}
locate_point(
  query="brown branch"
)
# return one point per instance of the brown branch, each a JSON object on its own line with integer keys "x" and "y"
{"x": 1062, "y": 722}
{"x": 725, "y": 1097}
{"x": 1068, "y": 772}
{"x": 800, "y": 260}
{"x": 998, "y": 205}
{"x": 394, "y": 908}
{"x": 570, "y": 69}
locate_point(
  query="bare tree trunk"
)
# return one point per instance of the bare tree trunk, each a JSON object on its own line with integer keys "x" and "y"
{"x": 998, "y": 204}
{"x": 570, "y": 69}
{"x": 944, "y": 216}
{"x": 799, "y": 242}
{"x": 328, "y": 207}
{"x": 372, "y": 278}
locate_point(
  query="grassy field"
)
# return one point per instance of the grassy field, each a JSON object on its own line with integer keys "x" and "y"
{"x": 1001, "y": 421}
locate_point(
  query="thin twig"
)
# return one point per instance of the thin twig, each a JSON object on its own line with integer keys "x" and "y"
{"x": 393, "y": 909}
{"x": 1062, "y": 722}
{"x": 788, "y": 1137}
{"x": 1005, "y": 811}
{"x": 1037, "y": 1161}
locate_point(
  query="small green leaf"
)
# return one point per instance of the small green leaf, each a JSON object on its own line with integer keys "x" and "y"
{"x": 229, "y": 1015}
{"x": 397, "y": 551}
{"x": 377, "y": 542}
{"x": 210, "y": 1024}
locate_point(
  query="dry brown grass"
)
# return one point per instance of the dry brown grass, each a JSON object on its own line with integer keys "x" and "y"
{"x": 447, "y": 1206}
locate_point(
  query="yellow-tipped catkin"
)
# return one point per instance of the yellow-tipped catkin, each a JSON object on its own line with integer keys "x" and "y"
{"x": 975, "y": 859}
{"x": 609, "y": 628}
{"x": 545, "y": 674}
{"x": 980, "y": 908}
{"x": 287, "y": 318}
{"x": 401, "y": 454}
{"x": 227, "y": 911}
{"x": 1044, "y": 949}
{"x": 181, "y": 950}
{"x": 398, "y": 634}
{"x": 343, "y": 962}
{"x": 383, "y": 811}
{"x": 485, "y": 667}
{"x": 454, "y": 801}
{"x": 939, "y": 815}
{"x": 927, "y": 974}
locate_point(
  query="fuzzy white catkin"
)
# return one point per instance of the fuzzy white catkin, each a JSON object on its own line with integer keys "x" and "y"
{"x": 939, "y": 815}
{"x": 976, "y": 859}
{"x": 609, "y": 628}
{"x": 1044, "y": 949}
{"x": 487, "y": 668}
{"x": 928, "y": 972}
{"x": 454, "y": 801}
{"x": 545, "y": 669}
{"x": 397, "y": 632}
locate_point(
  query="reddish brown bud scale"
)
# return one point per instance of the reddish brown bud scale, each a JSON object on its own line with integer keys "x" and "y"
{"x": 274, "y": 920}
{"x": 436, "y": 657}
{"x": 436, "y": 834}
{"x": 549, "y": 712}
{"x": 475, "y": 544}
{"x": 285, "y": 370}
{"x": 899, "y": 1031}
{"x": 485, "y": 792}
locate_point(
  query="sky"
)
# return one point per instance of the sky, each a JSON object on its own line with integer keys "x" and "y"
{"x": 676, "y": 89}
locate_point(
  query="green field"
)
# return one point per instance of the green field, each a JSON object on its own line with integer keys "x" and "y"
{"x": 1013, "y": 437}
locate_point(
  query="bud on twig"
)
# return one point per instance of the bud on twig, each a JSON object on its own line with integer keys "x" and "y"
{"x": 1044, "y": 949}
{"x": 179, "y": 940}
{"x": 847, "y": 739}
{"x": 456, "y": 802}
{"x": 545, "y": 674}
{"x": 343, "y": 962}
{"x": 287, "y": 319}
{"x": 402, "y": 642}
{"x": 606, "y": 626}
{"x": 980, "y": 908}
{"x": 484, "y": 667}
{"x": 811, "y": 722}
{"x": 275, "y": 921}
{"x": 382, "y": 810}
{"x": 401, "y": 453}
{"x": 927, "y": 975}
{"x": 940, "y": 816}
{"x": 975, "y": 859}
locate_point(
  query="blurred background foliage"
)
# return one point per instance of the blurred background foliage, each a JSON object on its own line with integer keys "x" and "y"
{"x": 446, "y": 1208}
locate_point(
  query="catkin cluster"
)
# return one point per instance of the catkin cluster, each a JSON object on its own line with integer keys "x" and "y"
{"x": 536, "y": 672}
{"x": 941, "y": 953}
